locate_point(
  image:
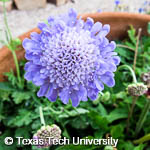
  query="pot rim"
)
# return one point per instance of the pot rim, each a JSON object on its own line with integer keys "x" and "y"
{"x": 6, "y": 56}
{"x": 117, "y": 15}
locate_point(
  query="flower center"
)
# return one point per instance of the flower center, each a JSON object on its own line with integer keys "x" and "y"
{"x": 70, "y": 57}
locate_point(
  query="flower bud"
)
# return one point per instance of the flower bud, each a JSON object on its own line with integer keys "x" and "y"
{"x": 47, "y": 134}
{"x": 102, "y": 98}
{"x": 137, "y": 89}
{"x": 146, "y": 78}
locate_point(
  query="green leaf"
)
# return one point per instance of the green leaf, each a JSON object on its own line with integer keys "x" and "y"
{"x": 121, "y": 95}
{"x": 80, "y": 122}
{"x": 129, "y": 44}
{"x": 5, "y": 86}
{"x": 146, "y": 43}
{"x": 97, "y": 121}
{"x": 63, "y": 116}
{"x": 99, "y": 134}
{"x": 78, "y": 111}
{"x": 11, "y": 77}
{"x": 5, "y": 95}
{"x": 119, "y": 113}
{"x": 18, "y": 97}
{"x": 114, "y": 131}
{"x": 2, "y": 113}
{"x": 23, "y": 118}
{"x": 75, "y": 147}
{"x": 36, "y": 124}
{"x": 65, "y": 133}
{"x": 125, "y": 145}
{"x": 131, "y": 34}
{"x": 37, "y": 148}
{"x": 15, "y": 43}
{"x": 82, "y": 111}
{"x": 73, "y": 113}
{"x": 140, "y": 147}
{"x": 102, "y": 109}
{"x": 108, "y": 148}
{"x": 23, "y": 132}
{"x": 148, "y": 29}
{"x": 125, "y": 53}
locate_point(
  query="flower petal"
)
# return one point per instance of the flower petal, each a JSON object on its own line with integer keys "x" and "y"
{"x": 42, "y": 25}
{"x": 43, "y": 90}
{"x": 72, "y": 17}
{"x": 35, "y": 36}
{"x": 105, "y": 30}
{"x": 88, "y": 24}
{"x": 30, "y": 45}
{"x": 99, "y": 84}
{"x": 116, "y": 60}
{"x": 82, "y": 93}
{"x": 93, "y": 93}
{"x": 74, "y": 98}
{"x": 108, "y": 79}
{"x": 96, "y": 28}
{"x": 64, "y": 96}
{"x": 53, "y": 95}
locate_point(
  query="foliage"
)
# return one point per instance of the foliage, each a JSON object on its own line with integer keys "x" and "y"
{"x": 11, "y": 43}
{"x": 19, "y": 113}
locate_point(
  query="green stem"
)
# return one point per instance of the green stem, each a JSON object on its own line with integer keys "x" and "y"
{"x": 55, "y": 112}
{"x": 131, "y": 112}
{"x": 36, "y": 100}
{"x": 17, "y": 66}
{"x": 41, "y": 116}
{"x": 142, "y": 139}
{"x": 125, "y": 46}
{"x": 10, "y": 46}
{"x": 5, "y": 20}
{"x": 136, "y": 49}
{"x": 131, "y": 70}
{"x": 134, "y": 99}
{"x": 142, "y": 117}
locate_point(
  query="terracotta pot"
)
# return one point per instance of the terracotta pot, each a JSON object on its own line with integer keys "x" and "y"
{"x": 119, "y": 23}
{"x": 6, "y": 58}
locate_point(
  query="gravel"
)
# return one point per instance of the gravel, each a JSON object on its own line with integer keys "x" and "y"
{"x": 22, "y": 21}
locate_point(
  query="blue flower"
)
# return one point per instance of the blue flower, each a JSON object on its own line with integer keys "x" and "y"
{"x": 141, "y": 10}
{"x": 99, "y": 10}
{"x": 145, "y": 2}
{"x": 117, "y": 2}
{"x": 70, "y": 58}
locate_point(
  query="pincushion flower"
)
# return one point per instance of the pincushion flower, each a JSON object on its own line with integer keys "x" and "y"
{"x": 70, "y": 58}
{"x": 137, "y": 89}
{"x": 48, "y": 134}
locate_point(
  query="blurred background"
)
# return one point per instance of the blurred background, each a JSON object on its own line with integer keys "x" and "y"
{"x": 24, "y": 15}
